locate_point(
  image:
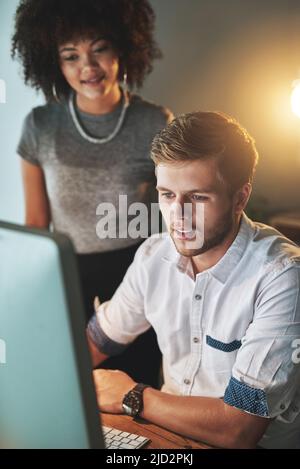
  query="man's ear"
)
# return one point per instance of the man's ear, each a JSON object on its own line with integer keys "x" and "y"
{"x": 241, "y": 197}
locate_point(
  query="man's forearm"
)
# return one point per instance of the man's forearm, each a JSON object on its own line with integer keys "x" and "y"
{"x": 97, "y": 356}
{"x": 204, "y": 419}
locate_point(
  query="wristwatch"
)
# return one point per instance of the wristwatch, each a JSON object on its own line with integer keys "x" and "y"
{"x": 133, "y": 401}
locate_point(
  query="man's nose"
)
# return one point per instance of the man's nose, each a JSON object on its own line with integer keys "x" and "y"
{"x": 177, "y": 209}
{"x": 181, "y": 210}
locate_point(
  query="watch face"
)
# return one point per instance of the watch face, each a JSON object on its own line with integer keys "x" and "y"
{"x": 132, "y": 403}
{"x": 127, "y": 410}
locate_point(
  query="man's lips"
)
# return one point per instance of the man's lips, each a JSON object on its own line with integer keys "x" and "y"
{"x": 184, "y": 234}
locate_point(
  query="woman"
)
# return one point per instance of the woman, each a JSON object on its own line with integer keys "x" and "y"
{"x": 90, "y": 142}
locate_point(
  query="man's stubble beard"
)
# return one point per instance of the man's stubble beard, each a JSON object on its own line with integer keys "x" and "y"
{"x": 211, "y": 240}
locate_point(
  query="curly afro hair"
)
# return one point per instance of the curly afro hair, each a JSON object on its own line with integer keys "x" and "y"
{"x": 42, "y": 25}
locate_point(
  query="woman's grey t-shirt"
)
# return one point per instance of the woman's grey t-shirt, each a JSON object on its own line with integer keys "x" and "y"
{"x": 81, "y": 175}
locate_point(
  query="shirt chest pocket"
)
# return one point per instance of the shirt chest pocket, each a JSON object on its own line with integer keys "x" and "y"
{"x": 219, "y": 355}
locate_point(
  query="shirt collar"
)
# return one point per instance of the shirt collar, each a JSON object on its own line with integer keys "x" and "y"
{"x": 182, "y": 263}
{"x": 227, "y": 263}
{"x": 234, "y": 254}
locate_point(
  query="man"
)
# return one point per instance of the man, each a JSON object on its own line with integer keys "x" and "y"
{"x": 222, "y": 294}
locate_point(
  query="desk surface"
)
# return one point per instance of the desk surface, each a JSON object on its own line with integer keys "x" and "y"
{"x": 160, "y": 438}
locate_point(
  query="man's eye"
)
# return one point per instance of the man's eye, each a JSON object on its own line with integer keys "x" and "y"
{"x": 167, "y": 195}
{"x": 199, "y": 198}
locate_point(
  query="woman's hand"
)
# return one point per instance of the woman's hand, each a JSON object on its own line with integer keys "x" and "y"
{"x": 111, "y": 387}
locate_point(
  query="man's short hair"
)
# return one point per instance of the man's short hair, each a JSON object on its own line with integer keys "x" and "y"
{"x": 204, "y": 135}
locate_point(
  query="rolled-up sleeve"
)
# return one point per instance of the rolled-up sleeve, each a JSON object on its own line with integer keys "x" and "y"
{"x": 266, "y": 375}
{"x": 118, "y": 322}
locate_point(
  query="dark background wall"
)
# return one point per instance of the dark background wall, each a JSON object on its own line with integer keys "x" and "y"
{"x": 240, "y": 57}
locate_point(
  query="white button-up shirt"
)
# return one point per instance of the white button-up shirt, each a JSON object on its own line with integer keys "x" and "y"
{"x": 231, "y": 332}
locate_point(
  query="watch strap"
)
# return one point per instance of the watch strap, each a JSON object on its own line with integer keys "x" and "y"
{"x": 139, "y": 388}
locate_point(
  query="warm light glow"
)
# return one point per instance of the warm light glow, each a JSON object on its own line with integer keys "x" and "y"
{"x": 295, "y": 98}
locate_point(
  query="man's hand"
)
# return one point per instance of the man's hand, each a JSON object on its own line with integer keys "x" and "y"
{"x": 111, "y": 387}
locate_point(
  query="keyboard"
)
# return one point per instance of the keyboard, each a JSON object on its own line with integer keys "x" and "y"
{"x": 116, "y": 439}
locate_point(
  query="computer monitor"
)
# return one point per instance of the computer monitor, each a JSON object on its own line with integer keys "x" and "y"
{"x": 47, "y": 397}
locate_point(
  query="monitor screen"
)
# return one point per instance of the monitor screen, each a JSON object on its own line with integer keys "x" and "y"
{"x": 46, "y": 393}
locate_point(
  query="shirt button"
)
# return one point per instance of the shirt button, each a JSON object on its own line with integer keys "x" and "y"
{"x": 187, "y": 381}
{"x": 198, "y": 297}
{"x": 195, "y": 340}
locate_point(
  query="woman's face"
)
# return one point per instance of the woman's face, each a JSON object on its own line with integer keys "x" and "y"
{"x": 91, "y": 67}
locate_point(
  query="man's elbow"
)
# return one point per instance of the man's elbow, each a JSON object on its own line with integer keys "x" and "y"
{"x": 242, "y": 443}
{"x": 243, "y": 430}
{"x": 241, "y": 438}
